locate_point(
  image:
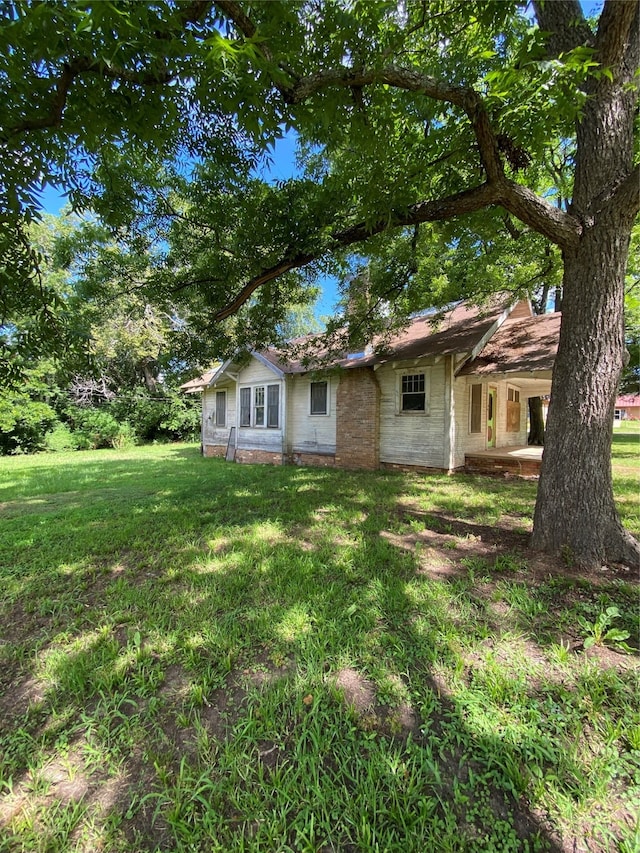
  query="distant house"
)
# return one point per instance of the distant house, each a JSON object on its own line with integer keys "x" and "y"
{"x": 446, "y": 388}
{"x": 627, "y": 408}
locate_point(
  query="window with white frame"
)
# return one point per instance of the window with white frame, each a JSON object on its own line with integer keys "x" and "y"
{"x": 260, "y": 406}
{"x": 319, "y": 398}
{"x": 414, "y": 392}
{"x": 221, "y": 408}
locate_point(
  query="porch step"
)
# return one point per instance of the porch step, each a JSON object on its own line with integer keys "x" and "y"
{"x": 502, "y": 465}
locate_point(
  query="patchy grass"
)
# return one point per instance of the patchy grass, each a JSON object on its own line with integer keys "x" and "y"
{"x": 204, "y": 656}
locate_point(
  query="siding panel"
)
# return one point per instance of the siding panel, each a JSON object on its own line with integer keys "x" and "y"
{"x": 412, "y": 439}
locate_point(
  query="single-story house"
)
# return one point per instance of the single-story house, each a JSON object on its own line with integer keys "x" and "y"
{"x": 627, "y": 408}
{"x": 446, "y": 387}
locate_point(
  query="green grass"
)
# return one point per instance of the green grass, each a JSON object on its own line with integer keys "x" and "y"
{"x": 198, "y": 656}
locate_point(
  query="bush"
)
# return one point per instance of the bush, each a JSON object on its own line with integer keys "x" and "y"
{"x": 24, "y": 423}
{"x": 94, "y": 428}
{"x": 60, "y": 439}
{"x": 168, "y": 418}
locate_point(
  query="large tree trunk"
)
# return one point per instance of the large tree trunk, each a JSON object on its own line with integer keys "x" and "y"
{"x": 575, "y": 513}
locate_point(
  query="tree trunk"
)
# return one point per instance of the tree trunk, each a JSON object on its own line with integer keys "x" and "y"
{"x": 575, "y": 512}
{"x": 536, "y": 422}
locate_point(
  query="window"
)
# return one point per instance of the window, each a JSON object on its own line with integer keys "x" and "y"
{"x": 413, "y": 396}
{"x": 245, "y": 407}
{"x": 221, "y": 408}
{"x": 513, "y": 395}
{"x": 258, "y": 406}
{"x": 475, "y": 409}
{"x": 273, "y": 406}
{"x": 319, "y": 398}
{"x": 617, "y": 415}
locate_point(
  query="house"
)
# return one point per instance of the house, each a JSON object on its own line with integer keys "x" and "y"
{"x": 627, "y": 408}
{"x": 446, "y": 387}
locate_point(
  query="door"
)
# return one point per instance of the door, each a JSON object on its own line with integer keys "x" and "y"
{"x": 491, "y": 417}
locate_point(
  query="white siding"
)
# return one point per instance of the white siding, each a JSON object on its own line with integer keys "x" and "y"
{"x": 259, "y": 438}
{"x": 212, "y": 434}
{"x": 467, "y": 442}
{"x": 504, "y": 438}
{"x": 412, "y": 439}
{"x": 307, "y": 433}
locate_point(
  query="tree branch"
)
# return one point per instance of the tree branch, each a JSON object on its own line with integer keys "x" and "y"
{"x": 615, "y": 30}
{"x": 565, "y": 23}
{"x": 626, "y": 198}
{"x": 70, "y": 71}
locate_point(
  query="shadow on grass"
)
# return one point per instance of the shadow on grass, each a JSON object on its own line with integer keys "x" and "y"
{"x": 179, "y": 650}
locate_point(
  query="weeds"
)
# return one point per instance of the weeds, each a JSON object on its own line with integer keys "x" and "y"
{"x": 202, "y": 656}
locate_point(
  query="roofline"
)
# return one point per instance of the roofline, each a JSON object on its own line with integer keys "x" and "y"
{"x": 261, "y": 358}
{"x": 484, "y": 340}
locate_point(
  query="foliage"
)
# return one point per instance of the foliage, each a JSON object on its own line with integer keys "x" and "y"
{"x": 601, "y": 632}
{"x": 24, "y": 422}
{"x": 93, "y": 428}
{"x": 406, "y": 117}
{"x": 172, "y": 417}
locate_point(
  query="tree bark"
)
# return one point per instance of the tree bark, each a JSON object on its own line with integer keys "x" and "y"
{"x": 575, "y": 511}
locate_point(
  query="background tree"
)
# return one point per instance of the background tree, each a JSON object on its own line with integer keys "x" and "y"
{"x": 411, "y": 113}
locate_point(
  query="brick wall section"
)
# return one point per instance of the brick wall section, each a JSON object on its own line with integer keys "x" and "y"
{"x": 358, "y": 420}
{"x": 495, "y": 465}
{"x": 265, "y": 457}
{"x": 317, "y": 460}
{"x": 214, "y": 449}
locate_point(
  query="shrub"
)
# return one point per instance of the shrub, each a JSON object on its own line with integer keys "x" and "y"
{"x": 60, "y": 439}
{"x": 24, "y": 423}
{"x": 94, "y": 428}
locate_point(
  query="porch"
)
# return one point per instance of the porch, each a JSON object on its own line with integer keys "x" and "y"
{"x": 524, "y": 461}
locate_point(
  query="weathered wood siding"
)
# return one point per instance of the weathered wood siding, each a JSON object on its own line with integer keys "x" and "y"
{"x": 259, "y": 438}
{"x": 412, "y": 439}
{"x": 307, "y": 433}
{"x": 468, "y": 442}
{"x": 213, "y": 435}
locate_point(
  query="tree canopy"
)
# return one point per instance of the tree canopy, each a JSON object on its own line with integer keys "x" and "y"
{"x": 437, "y": 120}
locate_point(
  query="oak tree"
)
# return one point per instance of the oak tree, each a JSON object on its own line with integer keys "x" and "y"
{"x": 410, "y": 113}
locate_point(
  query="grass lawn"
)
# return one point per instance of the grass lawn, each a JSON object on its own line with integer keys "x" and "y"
{"x": 198, "y": 656}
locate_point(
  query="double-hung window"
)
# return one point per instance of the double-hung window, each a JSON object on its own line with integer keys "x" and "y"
{"x": 260, "y": 406}
{"x": 413, "y": 394}
{"x": 513, "y": 409}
